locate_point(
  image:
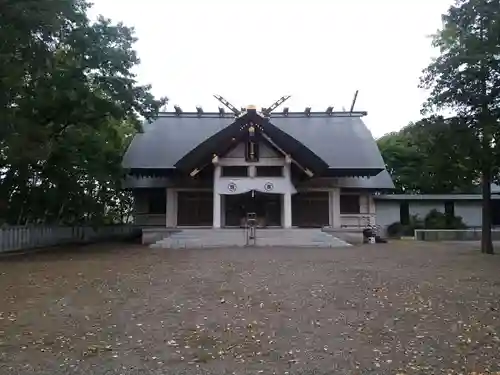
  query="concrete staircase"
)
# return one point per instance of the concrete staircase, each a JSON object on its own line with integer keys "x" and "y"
{"x": 210, "y": 238}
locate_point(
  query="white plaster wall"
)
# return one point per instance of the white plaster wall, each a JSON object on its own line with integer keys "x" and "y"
{"x": 282, "y": 185}
{"x": 237, "y": 152}
{"x": 364, "y": 203}
{"x": 470, "y": 211}
{"x": 422, "y": 208}
{"x": 267, "y": 152}
{"x": 387, "y": 212}
{"x": 334, "y": 207}
{"x": 366, "y": 215}
{"x": 171, "y": 219}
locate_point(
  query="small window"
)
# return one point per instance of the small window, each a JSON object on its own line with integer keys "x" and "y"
{"x": 404, "y": 213}
{"x": 235, "y": 171}
{"x": 449, "y": 208}
{"x": 157, "y": 201}
{"x": 270, "y": 171}
{"x": 349, "y": 204}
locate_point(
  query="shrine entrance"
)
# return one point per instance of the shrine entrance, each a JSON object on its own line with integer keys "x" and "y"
{"x": 267, "y": 207}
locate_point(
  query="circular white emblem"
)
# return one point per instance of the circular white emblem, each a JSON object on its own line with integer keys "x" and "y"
{"x": 231, "y": 187}
{"x": 268, "y": 186}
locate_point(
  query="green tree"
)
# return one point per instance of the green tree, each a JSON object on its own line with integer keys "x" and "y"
{"x": 465, "y": 78}
{"x": 427, "y": 157}
{"x": 69, "y": 103}
{"x": 402, "y": 160}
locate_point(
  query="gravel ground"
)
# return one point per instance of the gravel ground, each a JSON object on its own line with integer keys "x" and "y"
{"x": 400, "y": 308}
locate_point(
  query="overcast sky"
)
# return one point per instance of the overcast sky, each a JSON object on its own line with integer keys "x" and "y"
{"x": 255, "y": 51}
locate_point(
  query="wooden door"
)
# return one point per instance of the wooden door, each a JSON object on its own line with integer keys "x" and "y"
{"x": 195, "y": 208}
{"x": 310, "y": 209}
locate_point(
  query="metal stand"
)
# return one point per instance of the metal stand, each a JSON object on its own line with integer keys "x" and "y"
{"x": 251, "y": 228}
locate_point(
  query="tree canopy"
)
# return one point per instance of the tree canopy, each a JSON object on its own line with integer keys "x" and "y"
{"x": 465, "y": 78}
{"x": 69, "y": 104}
{"x": 427, "y": 157}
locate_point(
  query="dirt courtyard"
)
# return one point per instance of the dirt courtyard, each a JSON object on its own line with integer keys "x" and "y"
{"x": 400, "y": 308}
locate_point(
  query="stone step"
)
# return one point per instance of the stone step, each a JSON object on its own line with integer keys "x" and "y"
{"x": 210, "y": 238}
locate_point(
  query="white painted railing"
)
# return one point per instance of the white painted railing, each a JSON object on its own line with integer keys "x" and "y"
{"x": 357, "y": 220}
{"x": 29, "y": 237}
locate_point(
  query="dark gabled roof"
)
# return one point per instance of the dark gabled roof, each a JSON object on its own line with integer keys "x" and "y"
{"x": 344, "y": 142}
{"x": 135, "y": 182}
{"x": 225, "y": 139}
{"x": 169, "y": 138}
{"x": 341, "y": 140}
{"x": 382, "y": 181}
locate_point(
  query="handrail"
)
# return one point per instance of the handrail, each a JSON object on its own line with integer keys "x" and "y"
{"x": 356, "y": 220}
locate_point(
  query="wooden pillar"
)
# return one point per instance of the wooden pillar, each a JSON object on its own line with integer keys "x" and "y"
{"x": 217, "y": 199}
{"x": 372, "y": 210}
{"x": 287, "y": 197}
{"x": 287, "y": 210}
{"x": 335, "y": 208}
{"x": 171, "y": 216}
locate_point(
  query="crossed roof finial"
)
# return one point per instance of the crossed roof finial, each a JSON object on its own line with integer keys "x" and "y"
{"x": 266, "y": 111}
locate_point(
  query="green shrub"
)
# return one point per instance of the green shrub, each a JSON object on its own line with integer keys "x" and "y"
{"x": 433, "y": 220}
{"x": 415, "y": 223}
{"x": 439, "y": 220}
{"x": 395, "y": 229}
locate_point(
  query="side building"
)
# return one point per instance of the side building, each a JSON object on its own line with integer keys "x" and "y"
{"x": 307, "y": 169}
{"x": 401, "y": 208}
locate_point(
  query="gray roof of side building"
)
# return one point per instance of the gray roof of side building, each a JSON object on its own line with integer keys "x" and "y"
{"x": 342, "y": 141}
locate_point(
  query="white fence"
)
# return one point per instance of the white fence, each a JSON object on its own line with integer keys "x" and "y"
{"x": 472, "y": 234}
{"x": 29, "y": 237}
